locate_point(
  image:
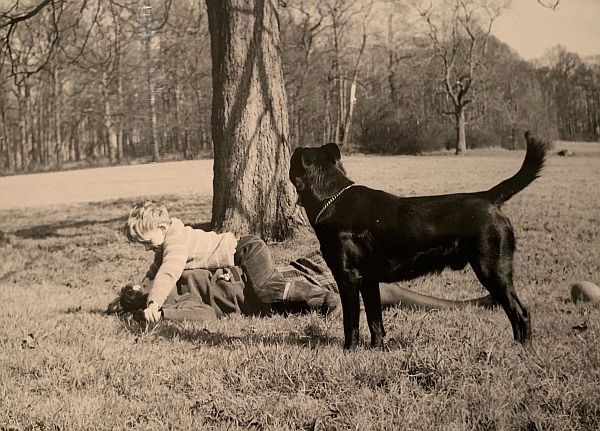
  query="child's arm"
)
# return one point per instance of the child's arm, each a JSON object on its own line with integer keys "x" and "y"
{"x": 174, "y": 258}
{"x": 154, "y": 267}
{"x": 189, "y": 308}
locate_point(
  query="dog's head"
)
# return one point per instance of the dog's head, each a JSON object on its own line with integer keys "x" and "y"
{"x": 317, "y": 173}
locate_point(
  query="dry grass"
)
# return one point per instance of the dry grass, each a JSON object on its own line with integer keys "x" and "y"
{"x": 66, "y": 366}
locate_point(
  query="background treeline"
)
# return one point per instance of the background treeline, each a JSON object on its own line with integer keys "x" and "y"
{"x": 88, "y": 83}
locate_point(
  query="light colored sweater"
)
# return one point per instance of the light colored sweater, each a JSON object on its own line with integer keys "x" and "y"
{"x": 187, "y": 248}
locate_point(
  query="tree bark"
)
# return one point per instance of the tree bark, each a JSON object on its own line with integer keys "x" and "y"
{"x": 251, "y": 190}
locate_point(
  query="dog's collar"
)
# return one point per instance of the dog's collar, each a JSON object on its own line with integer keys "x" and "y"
{"x": 330, "y": 201}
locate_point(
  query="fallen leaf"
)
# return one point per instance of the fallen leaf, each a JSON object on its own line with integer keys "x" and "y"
{"x": 28, "y": 342}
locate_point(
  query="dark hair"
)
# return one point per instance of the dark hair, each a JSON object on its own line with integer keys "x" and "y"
{"x": 129, "y": 300}
{"x": 132, "y": 299}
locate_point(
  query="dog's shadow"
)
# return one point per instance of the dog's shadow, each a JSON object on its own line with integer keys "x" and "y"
{"x": 313, "y": 335}
{"x": 200, "y": 335}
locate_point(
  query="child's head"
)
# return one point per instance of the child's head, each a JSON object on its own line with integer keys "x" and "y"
{"x": 147, "y": 224}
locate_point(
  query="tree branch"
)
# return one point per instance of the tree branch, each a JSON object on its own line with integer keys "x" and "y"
{"x": 549, "y": 4}
{"x": 13, "y": 20}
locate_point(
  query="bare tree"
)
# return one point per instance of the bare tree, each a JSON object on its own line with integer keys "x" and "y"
{"x": 48, "y": 14}
{"x": 342, "y": 78}
{"x": 303, "y": 26}
{"x": 348, "y": 109}
{"x": 458, "y": 32}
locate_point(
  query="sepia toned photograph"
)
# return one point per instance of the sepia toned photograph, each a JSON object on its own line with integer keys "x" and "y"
{"x": 300, "y": 215}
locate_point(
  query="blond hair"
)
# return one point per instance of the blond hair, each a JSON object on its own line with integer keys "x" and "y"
{"x": 144, "y": 217}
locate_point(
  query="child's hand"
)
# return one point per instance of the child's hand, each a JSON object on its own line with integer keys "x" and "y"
{"x": 152, "y": 313}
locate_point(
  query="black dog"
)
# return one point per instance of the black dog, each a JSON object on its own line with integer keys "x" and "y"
{"x": 369, "y": 236}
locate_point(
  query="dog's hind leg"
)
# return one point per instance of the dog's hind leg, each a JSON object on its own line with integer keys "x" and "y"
{"x": 496, "y": 274}
{"x": 351, "y": 312}
{"x": 372, "y": 299}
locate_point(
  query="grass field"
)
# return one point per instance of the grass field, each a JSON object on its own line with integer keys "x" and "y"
{"x": 65, "y": 365}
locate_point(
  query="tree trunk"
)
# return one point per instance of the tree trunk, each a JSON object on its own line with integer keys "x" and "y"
{"x": 176, "y": 130}
{"x": 112, "y": 143}
{"x": 392, "y": 63}
{"x": 251, "y": 190}
{"x": 352, "y": 96}
{"x": 120, "y": 131}
{"x": 59, "y": 147}
{"x": 24, "y": 115}
{"x": 37, "y": 129}
{"x": 461, "y": 139}
{"x": 6, "y": 139}
{"x": 349, "y": 110}
{"x": 153, "y": 124}
{"x": 339, "y": 139}
{"x": 327, "y": 116}
{"x": 151, "y": 102}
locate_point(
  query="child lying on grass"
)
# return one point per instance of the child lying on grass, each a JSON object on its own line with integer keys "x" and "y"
{"x": 198, "y": 275}
{"x": 178, "y": 248}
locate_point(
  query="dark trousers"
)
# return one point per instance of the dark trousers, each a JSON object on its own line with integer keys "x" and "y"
{"x": 270, "y": 286}
{"x": 254, "y": 257}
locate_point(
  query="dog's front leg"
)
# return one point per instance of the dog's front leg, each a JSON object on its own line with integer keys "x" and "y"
{"x": 351, "y": 312}
{"x": 371, "y": 296}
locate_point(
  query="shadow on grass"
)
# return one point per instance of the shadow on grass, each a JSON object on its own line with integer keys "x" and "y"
{"x": 45, "y": 231}
{"x": 51, "y": 229}
{"x": 201, "y": 336}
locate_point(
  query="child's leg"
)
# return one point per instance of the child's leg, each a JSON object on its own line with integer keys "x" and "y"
{"x": 269, "y": 284}
{"x": 314, "y": 297}
{"x": 254, "y": 257}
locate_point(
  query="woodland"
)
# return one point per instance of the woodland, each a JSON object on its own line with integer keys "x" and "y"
{"x": 87, "y": 83}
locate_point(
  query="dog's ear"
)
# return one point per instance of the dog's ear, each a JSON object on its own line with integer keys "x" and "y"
{"x": 300, "y": 159}
{"x": 333, "y": 150}
{"x": 308, "y": 157}
{"x": 297, "y": 168}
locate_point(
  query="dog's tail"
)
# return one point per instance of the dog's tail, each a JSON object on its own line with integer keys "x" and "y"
{"x": 530, "y": 170}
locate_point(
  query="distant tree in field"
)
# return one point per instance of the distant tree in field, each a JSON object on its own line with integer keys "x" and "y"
{"x": 458, "y": 32}
{"x": 251, "y": 190}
